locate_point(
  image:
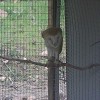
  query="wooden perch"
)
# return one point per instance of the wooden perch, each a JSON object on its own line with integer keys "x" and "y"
{"x": 22, "y": 60}
{"x": 50, "y": 62}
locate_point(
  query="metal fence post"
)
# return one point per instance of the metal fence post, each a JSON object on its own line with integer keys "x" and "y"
{"x": 53, "y": 73}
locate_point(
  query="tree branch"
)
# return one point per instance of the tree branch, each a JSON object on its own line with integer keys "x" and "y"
{"x": 45, "y": 65}
{"x": 80, "y": 68}
{"x": 23, "y": 61}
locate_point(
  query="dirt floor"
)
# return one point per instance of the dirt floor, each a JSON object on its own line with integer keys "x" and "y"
{"x": 20, "y": 90}
{"x": 27, "y": 91}
{"x": 32, "y": 88}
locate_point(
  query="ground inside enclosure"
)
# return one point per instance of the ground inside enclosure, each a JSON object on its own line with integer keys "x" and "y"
{"x": 30, "y": 83}
{"x": 24, "y": 90}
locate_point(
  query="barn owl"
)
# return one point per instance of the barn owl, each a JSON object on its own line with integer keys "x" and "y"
{"x": 53, "y": 40}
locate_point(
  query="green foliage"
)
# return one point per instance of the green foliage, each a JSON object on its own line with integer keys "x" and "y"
{"x": 23, "y": 24}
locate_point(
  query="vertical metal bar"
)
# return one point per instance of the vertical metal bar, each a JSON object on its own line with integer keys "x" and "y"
{"x": 50, "y": 13}
{"x": 66, "y": 38}
{"x": 56, "y": 71}
{"x": 51, "y": 84}
{"x": 53, "y": 73}
{"x": 56, "y": 23}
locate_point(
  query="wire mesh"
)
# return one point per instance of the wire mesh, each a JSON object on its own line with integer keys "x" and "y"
{"x": 62, "y": 70}
{"x": 21, "y": 22}
{"x": 83, "y": 31}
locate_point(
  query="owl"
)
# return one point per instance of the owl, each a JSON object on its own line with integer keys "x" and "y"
{"x": 54, "y": 41}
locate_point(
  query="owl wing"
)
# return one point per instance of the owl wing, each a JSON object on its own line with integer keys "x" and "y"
{"x": 59, "y": 43}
